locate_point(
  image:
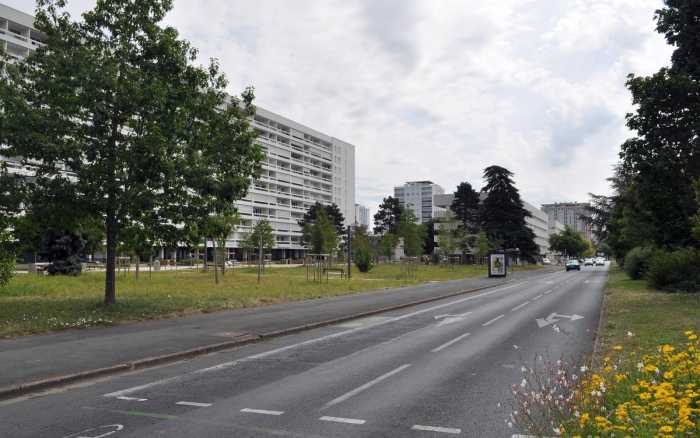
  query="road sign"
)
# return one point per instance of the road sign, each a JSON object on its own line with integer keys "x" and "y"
{"x": 555, "y": 317}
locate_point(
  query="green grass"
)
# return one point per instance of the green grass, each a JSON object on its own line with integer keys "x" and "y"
{"x": 35, "y": 304}
{"x": 653, "y": 317}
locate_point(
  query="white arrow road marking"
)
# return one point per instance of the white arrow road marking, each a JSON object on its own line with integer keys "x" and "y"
{"x": 555, "y": 317}
{"x": 449, "y": 318}
{"x": 451, "y": 430}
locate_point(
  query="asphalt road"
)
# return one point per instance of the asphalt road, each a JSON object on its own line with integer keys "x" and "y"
{"x": 439, "y": 369}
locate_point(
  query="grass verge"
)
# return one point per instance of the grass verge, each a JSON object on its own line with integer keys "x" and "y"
{"x": 652, "y": 317}
{"x": 34, "y": 304}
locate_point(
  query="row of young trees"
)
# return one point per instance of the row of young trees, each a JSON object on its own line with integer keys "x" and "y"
{"x": 493, "y": 218}
{"x": 656, "y": 183}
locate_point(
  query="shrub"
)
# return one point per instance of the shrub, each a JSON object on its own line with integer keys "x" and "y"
{"x": 637, "y": 261}
{"x": 675, "y": 270}
{"x": 362, "y": 251}
{"x": 7, "y": 260}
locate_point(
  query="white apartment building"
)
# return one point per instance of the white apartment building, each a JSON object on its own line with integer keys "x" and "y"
{"x": 17, "y": 33}
{"x": 302, "y": 166}
{"x": 571, "y": 214}
{"x": 538, "y": 222}
{"x": 362, "y": 215}
{"x": 418, "y": 196}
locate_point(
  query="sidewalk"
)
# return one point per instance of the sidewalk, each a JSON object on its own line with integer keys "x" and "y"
{"x": 31, "y": 358}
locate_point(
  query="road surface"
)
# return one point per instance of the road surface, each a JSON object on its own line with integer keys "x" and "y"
{"x": 438, "y": 369}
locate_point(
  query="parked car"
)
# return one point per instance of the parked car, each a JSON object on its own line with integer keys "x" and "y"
{"x": 588, "y": 262}
{"x": 600, "y": 261}
{"x": 546, "y": 261}
{"x": 573, "y": 265}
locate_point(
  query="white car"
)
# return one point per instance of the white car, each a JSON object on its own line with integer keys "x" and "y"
{"x": 600, "y": 261}
{"x": 588, "y": 262}
{"x": 546, "y": 261}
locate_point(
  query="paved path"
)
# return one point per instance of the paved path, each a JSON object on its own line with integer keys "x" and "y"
{"x": 437, "y": 369}
{"x": 32, "y": 358}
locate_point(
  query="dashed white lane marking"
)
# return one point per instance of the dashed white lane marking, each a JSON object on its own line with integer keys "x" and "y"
{"x": 448, "y": 343}
{"x": 132, "y": 399}
{"x": 451, "y": 430}
{"x": 520, "y": 306}
{"x": 367, "y": 385}
{"x": 195, "y": 404}
{"x": 262, "y": 411}
{"x": 547, "y": 292}
{"x": 492, "y": 320}
{"x": 233, "y": 363}
{"x": 343, "y": 420}
{"x": 537, "y": 297}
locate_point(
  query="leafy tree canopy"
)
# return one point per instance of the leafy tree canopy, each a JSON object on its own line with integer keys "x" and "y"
{"x": 465, "y": 206}
{"x": 114, "y": 114}
{"x": 503, "y": 214}
{"x": 333, "y": 213}
{"x": 388, "y": 216}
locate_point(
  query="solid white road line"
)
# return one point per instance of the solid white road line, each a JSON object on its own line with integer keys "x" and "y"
{"x": 451, "y": 430}
{"x": 367, "y": 385}
{"x": 520, "y": 306}
{"x": 547, "y": 292}
{"x": 493, "y": 320}
{"x": 537, "y": 297}
{"x": 262, "y": 411}
{"x": 343, "y": 420}
{"x": 448, "y": 343}
{"x": 233, "y": 363}
{"x": 195, "y": 404}
{"x": 132, "y": 399}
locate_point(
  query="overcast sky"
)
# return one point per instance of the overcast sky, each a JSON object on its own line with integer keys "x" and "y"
{"x": 436, "y": 89}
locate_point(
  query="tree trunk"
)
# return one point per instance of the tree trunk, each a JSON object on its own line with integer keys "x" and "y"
{"x": 138, "y": 259}
{"x": 110, "y": 275}
{"x": 216, "y": 269}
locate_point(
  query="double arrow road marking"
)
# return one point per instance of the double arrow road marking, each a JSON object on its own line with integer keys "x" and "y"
{"x": 555, "y": 317}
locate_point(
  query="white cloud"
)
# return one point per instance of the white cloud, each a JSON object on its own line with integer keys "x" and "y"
{"x": 440, "y": 90}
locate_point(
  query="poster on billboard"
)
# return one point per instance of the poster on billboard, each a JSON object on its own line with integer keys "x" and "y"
{"x": 497, "y": 264}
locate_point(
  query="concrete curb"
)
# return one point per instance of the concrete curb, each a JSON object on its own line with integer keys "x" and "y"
{"x": 58, "y": 381}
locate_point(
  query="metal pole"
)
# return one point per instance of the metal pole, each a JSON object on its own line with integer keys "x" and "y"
{"x": 260, "y": 249}
{"x": 349, "y": 251}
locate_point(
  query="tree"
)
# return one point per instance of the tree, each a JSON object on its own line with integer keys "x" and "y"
{"x": 387, "y": 244}
{"x": 63, "y": 250}
{"x": 362, "y": 250}
{"x": 661, "y": 161}
{"x": 429, "y": 242}
{"x": 261, "y": 232}
{"x": 332, "y": 212}
{"x": 388, "y": 216}
{"x": 119, "y": 118}
{"x": 465, "y": 206}
{"x": 568, "y": 242}
{"x": 412, "y": 233}
{"x": 7, "y": 257}
{"x": 482, "y": 246}
{"x": 448, "y": 243}
{"x": 322, "y": 234}
{"x": 503, "y": 215}
{"x": 219, "y": 228}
